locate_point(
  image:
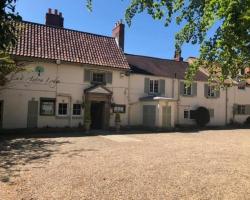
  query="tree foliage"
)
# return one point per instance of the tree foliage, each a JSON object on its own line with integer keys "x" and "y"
{"x": 8, "y": 37}
{"x": 225, "y": 51}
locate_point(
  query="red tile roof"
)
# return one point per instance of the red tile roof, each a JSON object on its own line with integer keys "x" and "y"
{"x": 161, "y": 67}
{"x": 47, "y": 42}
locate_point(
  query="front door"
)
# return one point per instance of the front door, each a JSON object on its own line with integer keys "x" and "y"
{"x": 149, "y": 112}
{"x": 1, "y": 114}
{"x": 166, "y": 116}
{"x": 32, "y": 118}
{"x": 97, "y": 115}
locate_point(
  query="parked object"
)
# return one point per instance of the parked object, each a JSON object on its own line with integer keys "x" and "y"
{"x": 117, "y": 122}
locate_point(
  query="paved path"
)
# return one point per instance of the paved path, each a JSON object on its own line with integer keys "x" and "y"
{"x": 200, "y": 165}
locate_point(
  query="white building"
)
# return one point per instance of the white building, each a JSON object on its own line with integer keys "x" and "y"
{"x": 67, "y": 68}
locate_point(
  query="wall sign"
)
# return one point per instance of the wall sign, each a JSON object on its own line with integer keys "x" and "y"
{"x": 119, "y": 108}
{"x": 39, "y": 70}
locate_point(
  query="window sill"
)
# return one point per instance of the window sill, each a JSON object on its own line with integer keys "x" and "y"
{"x": 77, "y": 117}
{"x": 43, "y": 115}
{"x": 185, "y": 95}
{"x": 97, "y": 83}
{"x": 62, "y": 116}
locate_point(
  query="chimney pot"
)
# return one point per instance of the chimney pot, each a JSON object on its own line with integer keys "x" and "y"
{"x": 177, "y": 55}
{"x": 54, "y": 19}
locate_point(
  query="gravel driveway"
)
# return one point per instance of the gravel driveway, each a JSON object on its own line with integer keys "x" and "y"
{"x": 202, "y": 165}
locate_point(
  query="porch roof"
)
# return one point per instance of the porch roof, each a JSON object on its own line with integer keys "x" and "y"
{"x": 157, "y": 98}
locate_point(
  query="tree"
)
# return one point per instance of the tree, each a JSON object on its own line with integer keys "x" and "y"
{"x": 225, "y": 52}
{"x": 8, "y": 36}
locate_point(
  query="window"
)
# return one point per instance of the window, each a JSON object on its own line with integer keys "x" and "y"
{"x": 77, "y": 109}
{"x": 242, "y": 85}
{"x": 154, "y": 86}
{"x": 186, "y": 114}
{"x": 192, "y": 114}
{"x": 119, "y": 108}
{"x": 62, "y": 109}
{"x": 211, "y": 91}
{"x": 47, "y": 106}
{"x": 211, "y": 113}
{"x": 241, "y": 109}
{"x": 98, "y": 77}
{"x": 187, "y": 90}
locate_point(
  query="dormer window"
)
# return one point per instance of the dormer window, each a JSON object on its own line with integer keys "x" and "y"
{"x": 154, "y": 86}
{"x": 98, "y": 77}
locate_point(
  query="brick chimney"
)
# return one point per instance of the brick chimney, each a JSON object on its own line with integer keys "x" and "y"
{"x": 54, "y": 18}
{"x": 177, "y": 55}
{"x": 118, "y": 34}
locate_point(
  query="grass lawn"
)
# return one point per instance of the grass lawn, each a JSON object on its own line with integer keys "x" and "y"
{"x": 200, "y": 165}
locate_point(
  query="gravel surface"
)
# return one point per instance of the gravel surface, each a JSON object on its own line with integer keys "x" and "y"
{"x": 201, "y": 165}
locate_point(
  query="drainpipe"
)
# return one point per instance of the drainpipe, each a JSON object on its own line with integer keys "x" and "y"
{"x": 178, "y": 99}
{"x": 129, "y": 109}
{"x": 226, "y": 114}
{"x": 173, "y": 81}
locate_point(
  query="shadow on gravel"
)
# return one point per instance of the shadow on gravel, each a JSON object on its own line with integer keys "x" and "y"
{"x": 15, "y": 153}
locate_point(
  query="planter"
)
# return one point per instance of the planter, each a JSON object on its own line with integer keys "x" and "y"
{"x": 87, "y": 126}
{"x": 117, "y": 122}
{"x": 117, "y": 126}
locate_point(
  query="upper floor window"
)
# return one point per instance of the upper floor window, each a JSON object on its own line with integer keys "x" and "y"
{"x": 211, "y": 91}
{"x": 242, "y": 85}
{"x": 241, "y": 109}
{"x": 154, "y": 86}
{"x": 98, "y": 77}
{"x": 187, "y": 89}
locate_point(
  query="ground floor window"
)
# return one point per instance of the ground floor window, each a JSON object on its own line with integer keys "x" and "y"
{"x": 241, "y": 109}
{"x": 47, "y": 106}
{"x": 211, "y": 113}
{"x": 62, "y": 109}
{"x": 77, "y": 109}
{"x": 186, "y": 114}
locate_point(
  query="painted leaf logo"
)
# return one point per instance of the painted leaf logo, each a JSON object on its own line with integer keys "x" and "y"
{"x": 39, "y": 70}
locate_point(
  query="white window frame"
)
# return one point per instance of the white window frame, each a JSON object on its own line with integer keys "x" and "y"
{"x": 74, "y": 109}
{"x": 58, "y": 109}
{"x": 241, "y": 108}
{"x": 102, "y": 73}
{"x": 187, "y": 90}
{"x": 188, "y": 114}
{"x": 152, "y": 90}
{"x": 211, "y": 91}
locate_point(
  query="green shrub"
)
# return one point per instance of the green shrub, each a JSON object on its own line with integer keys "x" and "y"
{"x": 202, "y": 116}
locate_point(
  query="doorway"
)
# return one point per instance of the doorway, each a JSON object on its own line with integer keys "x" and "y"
{"x": 32, "y": 118}
{"x": 1, "y": 114}
{"x": 166, "y": 116}
{"x": 149, "y": 112}
{"x": 97, "y": 114}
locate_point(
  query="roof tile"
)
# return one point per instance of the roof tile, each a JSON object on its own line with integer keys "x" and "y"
{"x": 47, "y": 42}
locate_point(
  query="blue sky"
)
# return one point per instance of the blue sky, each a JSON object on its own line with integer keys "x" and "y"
{"x": 145, "y": 37}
